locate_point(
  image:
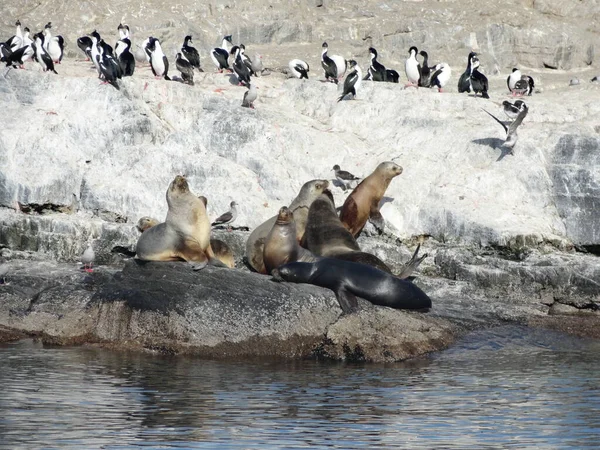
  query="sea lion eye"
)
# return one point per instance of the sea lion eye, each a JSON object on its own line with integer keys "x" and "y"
{"x": 318, "y": 185}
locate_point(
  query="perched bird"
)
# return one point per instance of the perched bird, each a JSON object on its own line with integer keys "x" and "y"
{"x": 257, "y": 65}
{"x": 352, "y": 81}
{"x": 512, "y": 79}
{"x": 441, "y": 76}
{"x": 220, "y": 55}
{"x": 299, "y": 68}
{"x": 240, "y": 68}
{"x": 15, "y": 59}
{"x": 40, "y": 54}
{"x": 125, "y": 57}
{"x": 412, "y": 68}
{"x": 158, "y": 61}
{"x": 88, "y": 257}
{"x": 15, "y": 42}
{"x": 227, "y": 218}
{"x": 54, "y": 46}
{"x": 334, "y": 66}
{"x": 344, "y": 177}
{"x": 246, "y": 59}
{"x": 524, "y": 86}
{"x": 190, "y": 53}
{"x": 85, "y": 44}
{"x": 511, "y": 130}
{"x": 512, "y": 110}
{"x": 479, "y": 81}
{"x": 426, "y": 73}
{"x": 249, "y": 96}
{"x": 376, "y": 71}
{"x": 464, "y": 82}
{"x": 110, "y": 70}
{"x": 186, "y": 69}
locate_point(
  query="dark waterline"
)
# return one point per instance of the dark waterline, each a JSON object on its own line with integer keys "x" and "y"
{"x": 505, "y": 388}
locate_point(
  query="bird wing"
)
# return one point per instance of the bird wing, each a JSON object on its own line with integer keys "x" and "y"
{"x": 515, "y": 124}
{"x": 223, "y": 218}
{"x": 498, "y": 120}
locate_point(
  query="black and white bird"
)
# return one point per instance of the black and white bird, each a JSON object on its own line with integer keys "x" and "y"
{"x": 334, "y": 65}
{"x": 511, "y": 129}
{"x": 125, "y": 57}
{"x": 15, "y": 59}
{"x": 512, "y": 79}
{"x": 190, "y": 53}
{"x": 524, "y": 86}
{"x": 240, "y": 68}
{"x": 15, "y": 42}
{"x": 376, "y": 71}
{"x": 464, "y": 82}
{"x": 85, "y": 44}
{"x": 40, "y": 54}
{"x": 299, "y": 68}
{"x": 227, "y": 218}
{"x": 220, "y": 55}
{"x": 344, "y": 178}
{"x": 54, "y": 45}
{"x": 250, "y": 96}
{"x": 27, "y": 43}
{"x": 186, "y": 69}
{"x": 412, "y": 68}
{"x": 158, "y": 60}
{"x": 110, "y": 69}
{"x": 440, "y": 76}
{"x": 512, "y": 110}
{"x": 479, "y": 81}
{"x": 352, "y": 81}
{"x": 246, "y": 59}
{"x": 426, "y": 72}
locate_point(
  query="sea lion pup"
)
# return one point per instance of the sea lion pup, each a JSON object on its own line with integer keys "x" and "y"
{"x": 326, "y": 236}
{"x": 281, "y": 244}
{"x": 185, "y": 233}
{"x": 363, "y": 203}
{"x": 299, "y": 207}
{"x": 221, "y": 250}
{"x": 349, "y": 279}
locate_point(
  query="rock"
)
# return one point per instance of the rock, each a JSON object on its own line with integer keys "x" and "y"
{"x": 216, "y": 312}
{"x": 574, "y": 82}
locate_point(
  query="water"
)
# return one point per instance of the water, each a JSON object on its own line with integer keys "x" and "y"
{"x": 506, "y": 388}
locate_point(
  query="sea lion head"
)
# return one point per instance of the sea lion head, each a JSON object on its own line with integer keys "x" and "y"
{"x": 179, "y": 184}
{"x": 146, "y": 222}
{"x": 389, "y": 169}
{"x": 312, "y": 189}
{"x": 295, "y": 272}
{"x": 285, "y": 216}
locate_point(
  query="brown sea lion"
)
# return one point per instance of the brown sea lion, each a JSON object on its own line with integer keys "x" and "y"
{"x": 221, "y": 250}
{"x": 281, "y": 244}
{"x": 185, "y": 234}
{"x": 363, "y": 203}
{"x": 299, "y": 207}
{"x": 326, "y": 236}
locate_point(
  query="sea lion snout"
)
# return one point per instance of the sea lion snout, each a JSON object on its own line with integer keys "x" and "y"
{"x": 180, "y": 183}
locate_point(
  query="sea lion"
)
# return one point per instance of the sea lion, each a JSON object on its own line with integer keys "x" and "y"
{"x": 220, "y": 249}
{"x": 326, "y": 236}
{"x": 185, "y": 234}
{"x": 281, "y": 245}
{"x": 299, "y": 207}
{"x": 349, "y": 279}
{"x": 363, "y": 203}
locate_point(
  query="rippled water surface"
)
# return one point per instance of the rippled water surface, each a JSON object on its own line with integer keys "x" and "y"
{"x": 509, "y": 387}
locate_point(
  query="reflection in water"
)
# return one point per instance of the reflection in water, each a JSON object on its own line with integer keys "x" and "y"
{"x": 506, "y": 387}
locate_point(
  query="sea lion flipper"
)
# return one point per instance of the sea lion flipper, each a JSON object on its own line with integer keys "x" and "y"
{"x": 377, "y": 220}
{"x": 347, "y": 301}
{"x": 412, "y": 264}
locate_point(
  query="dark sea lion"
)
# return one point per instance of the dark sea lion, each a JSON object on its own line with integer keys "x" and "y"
{"x": 185, "y": 234}
{"x": 363, "y": 203}
{"x": 299, "y": 207}
{"x": 281, "y": 244}
{"x": 349, "y": 280}
{"x": 326, "y": 236}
